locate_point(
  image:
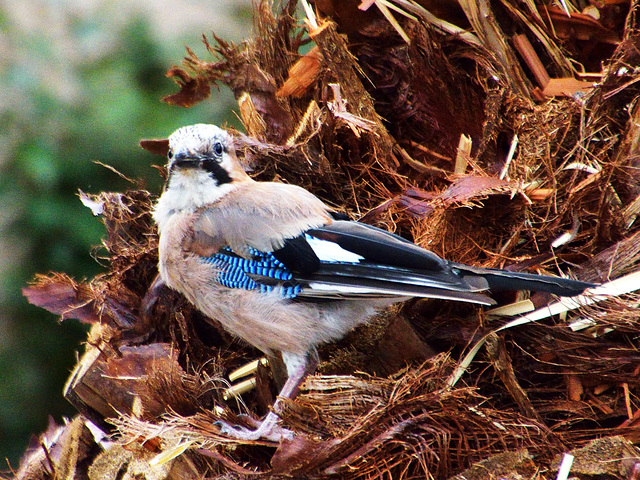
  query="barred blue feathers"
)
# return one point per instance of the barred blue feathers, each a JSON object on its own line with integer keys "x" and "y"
{"x": 249, "y": 274}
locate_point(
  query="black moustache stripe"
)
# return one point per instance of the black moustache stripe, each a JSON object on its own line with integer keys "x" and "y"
{"x": 216, "y": 171}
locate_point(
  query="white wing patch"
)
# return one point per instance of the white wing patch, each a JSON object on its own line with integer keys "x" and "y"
{"x": 328, "y": 251}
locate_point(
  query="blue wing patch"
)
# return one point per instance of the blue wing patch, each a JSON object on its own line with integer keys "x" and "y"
{"x": 238, "y": 272}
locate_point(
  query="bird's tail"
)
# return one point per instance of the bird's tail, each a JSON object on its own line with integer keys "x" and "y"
{"x": 505, "y": 280}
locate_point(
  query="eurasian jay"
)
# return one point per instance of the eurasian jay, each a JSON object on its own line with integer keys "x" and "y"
{"x": 276, "y": 267}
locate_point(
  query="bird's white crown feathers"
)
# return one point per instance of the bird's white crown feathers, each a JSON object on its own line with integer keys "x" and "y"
{"x": 197, "y": 139}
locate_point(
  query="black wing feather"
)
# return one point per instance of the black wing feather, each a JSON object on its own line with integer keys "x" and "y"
{"x": 379, "y": 246}
{"x": 298, "y": 256}
{"x": 392, "y": 275}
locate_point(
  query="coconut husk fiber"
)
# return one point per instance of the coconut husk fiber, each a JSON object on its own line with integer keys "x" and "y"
{"x": 498, "y": 134}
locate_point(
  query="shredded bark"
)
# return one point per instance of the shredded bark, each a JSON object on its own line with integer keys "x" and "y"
{"x": 497, "y": 134}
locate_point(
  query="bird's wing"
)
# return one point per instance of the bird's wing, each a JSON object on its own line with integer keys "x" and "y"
{"x": 292, "y": 243}
{"x": 361, "y": 260}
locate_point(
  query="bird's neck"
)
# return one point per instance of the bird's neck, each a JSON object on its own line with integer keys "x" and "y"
{"x": 188, "y": 194}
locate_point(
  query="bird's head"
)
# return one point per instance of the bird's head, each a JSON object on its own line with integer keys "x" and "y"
{"x": 204, "y": 153}
{"x": 202, "y": 168}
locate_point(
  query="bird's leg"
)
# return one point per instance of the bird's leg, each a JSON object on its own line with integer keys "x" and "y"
{"x": 278, "y": 369}
{"x": 269, "y": 429}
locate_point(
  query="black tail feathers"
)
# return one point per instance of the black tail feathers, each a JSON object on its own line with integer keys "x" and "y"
{"x": 505, "y": 280}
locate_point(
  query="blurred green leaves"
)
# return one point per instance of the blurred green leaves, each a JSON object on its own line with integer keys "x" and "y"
{"x": 63, "y": 110}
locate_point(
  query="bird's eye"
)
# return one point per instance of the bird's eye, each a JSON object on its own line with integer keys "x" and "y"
{"x": 218, "y": 148}
{"x": 170, "y": 154}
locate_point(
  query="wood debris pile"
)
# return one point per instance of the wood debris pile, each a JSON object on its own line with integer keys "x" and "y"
{"x": 498, "y": 134}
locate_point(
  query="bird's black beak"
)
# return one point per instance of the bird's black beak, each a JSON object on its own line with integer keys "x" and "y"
{"x": 185, "y": 160}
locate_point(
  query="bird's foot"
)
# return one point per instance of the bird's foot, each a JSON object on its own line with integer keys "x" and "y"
{"x": 268, "y": 429}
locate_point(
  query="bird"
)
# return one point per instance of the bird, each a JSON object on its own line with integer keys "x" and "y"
{"x": 285, "y": 272}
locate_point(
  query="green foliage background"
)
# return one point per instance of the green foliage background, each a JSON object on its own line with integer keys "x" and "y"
{"x": 50, "y": 143}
